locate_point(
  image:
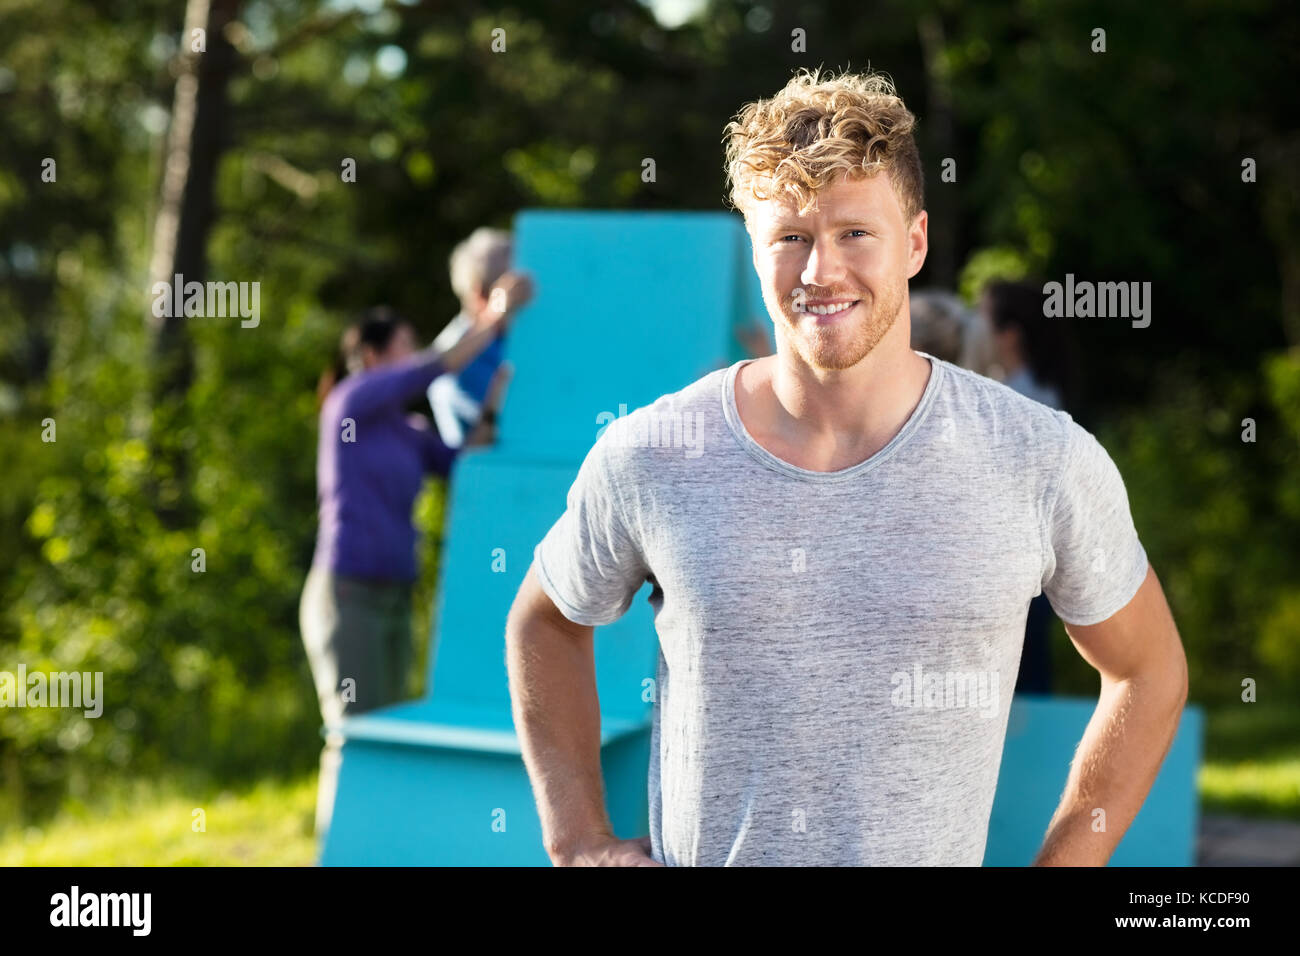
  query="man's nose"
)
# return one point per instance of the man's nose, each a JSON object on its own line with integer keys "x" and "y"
{"x": 825, "y": 267}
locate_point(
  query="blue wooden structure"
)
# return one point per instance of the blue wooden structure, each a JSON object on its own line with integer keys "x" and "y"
{"x": 1042, "y": 735}
{"x": 629, "y": 306}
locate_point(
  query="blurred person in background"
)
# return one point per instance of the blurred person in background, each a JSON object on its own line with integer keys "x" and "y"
{"x": 945, "y": 327}
{"x": 1034, "y": 357}
{"x": 1033, "y": 354}
{"x": 457, "y": 399}
{"x": 372, "y": 458}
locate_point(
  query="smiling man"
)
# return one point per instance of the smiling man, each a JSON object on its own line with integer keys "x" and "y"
{"x": 841, "y": 578}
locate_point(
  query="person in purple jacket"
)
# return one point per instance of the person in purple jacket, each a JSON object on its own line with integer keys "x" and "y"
{"x": 372, "y": 459}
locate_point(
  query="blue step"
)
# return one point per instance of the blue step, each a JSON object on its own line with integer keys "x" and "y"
{"x": 629, "y": 306}
{"x": 433, "y": 783}
{"x": 1042, "y": 736}
{"x": 499, "y": 510}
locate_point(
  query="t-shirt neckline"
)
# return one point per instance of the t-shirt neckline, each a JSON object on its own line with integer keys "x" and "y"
{"x": 765, "y": 457}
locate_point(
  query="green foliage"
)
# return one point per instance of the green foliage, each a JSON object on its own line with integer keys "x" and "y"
{"x": 200, "y": 667}
{"x": 1002, "y": 263}
{"x": 1219, "y": 520}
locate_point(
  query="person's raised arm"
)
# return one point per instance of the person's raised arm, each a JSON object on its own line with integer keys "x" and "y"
{"x": 510, "y": 293}
{"x": 399, "y": 383}
{"x": 551, "y": 663}
{"x": 390, "y": 385}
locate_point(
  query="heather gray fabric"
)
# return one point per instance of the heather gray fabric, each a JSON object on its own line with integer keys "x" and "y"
{"x": 838, "y": 650}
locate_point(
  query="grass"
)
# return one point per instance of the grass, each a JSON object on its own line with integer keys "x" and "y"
{"x": 144, "y": 823}
{"x": 1252, "y": 789}
{"x": 1252, "y": 761}
{"x": 1251, "y": 768}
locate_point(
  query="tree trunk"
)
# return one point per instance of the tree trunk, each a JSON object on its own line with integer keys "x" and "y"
{"x": 942, "y": 257}
{"x": 194, "y": 142}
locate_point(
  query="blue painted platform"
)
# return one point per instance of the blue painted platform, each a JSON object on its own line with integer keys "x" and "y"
{"x": 1042, "y": 735}
{"x": 628, "y": 306}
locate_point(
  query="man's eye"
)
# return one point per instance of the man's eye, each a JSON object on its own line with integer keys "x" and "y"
{"x": 859, "y": 232}
{"x": 791, "y": 236}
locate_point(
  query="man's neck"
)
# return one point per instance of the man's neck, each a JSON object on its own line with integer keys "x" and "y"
{"x": 832, "y": 419}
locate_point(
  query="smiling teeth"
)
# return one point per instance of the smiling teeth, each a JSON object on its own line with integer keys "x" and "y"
{"x": 829, "y": 309}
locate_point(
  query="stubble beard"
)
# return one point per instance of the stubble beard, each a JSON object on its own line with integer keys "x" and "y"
{"x": 834, "y": 347}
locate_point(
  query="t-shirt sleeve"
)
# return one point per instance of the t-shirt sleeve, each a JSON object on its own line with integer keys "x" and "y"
{"x": 1094, "y": 560}
{"x": 389, "y": 386}
{"x": 590, "y": 563}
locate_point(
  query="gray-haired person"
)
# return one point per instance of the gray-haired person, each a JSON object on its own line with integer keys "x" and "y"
{"x": 945, "y": 327}
{"x": 457, "y": 400}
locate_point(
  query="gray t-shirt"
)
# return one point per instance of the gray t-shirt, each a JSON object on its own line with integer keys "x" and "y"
{"x": 838, "y": 650}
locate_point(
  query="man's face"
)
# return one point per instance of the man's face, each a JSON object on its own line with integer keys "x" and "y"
{"x": 834, "y": 280}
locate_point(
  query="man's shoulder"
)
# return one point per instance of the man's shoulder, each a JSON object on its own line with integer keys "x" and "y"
{"x": 680, "y": 421}
{"x": 704, "y": 392}
{"x": 1007, "y": 418}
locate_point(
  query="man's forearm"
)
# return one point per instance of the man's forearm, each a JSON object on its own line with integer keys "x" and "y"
{"x": 1113, "y": 770}
{"x": 557, "y": 715}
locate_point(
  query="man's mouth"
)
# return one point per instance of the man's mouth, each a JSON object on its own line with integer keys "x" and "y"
{"x": 830, "y": 310}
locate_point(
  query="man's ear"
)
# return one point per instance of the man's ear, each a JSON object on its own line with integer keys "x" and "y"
{"x": 918, "y": 243}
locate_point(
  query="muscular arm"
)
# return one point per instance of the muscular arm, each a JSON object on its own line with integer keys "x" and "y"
{"x": 552, "y": 667}
{"x": 557, "y": 713}
{"x": 1143, "y": 671}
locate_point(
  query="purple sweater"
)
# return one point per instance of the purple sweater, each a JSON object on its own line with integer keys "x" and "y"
{"x": 367, "y": 486}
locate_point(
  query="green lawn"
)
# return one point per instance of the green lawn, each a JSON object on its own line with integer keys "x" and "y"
{"x": 1252, "y": 768}
{"x": 1256, "y": 788}
{"x": 1252, "y": 761}
{"x": 149, "y": 824}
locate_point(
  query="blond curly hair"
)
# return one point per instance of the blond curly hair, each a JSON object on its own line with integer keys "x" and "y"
{"x": 819, "y": 127}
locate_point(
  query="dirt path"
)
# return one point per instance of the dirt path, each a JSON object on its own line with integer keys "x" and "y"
{"x": 1240, "y": 841}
